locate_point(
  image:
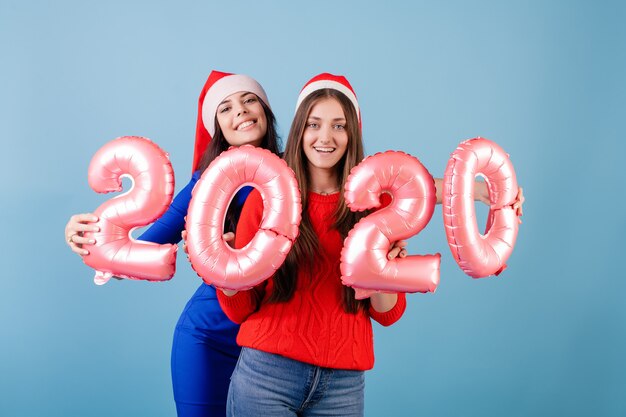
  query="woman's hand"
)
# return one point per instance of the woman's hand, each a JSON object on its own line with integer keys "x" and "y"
{"x": 397, "y": 250}
{"x": 519, "y": 202}
{"x": 183, "y": 234}
{"x": 76, "y": 227}
{"x": 228, "y": 238}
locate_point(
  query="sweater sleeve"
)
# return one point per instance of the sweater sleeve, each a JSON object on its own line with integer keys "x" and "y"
{"x": 239, "y": 306}
{"x": 390, "y": 317}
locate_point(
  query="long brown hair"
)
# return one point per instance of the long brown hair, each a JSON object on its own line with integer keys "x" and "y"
{"x": 306, "y": 246}
{"x": 218, "y": 144}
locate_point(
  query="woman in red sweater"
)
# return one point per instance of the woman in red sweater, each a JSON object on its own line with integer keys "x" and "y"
{"x": 306, "y": 340}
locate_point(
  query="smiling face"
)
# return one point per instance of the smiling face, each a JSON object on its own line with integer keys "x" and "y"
{"x": 242, "y": 119}
{"x": 325, "y": 138}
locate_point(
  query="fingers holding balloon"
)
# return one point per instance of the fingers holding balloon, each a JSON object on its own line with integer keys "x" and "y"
{"x": 75, "y": 229}
{"x": 80, "y": 240}
{"x": 518, "y": 205}
{"x": 229, "y": 238}
{"x": 71, "y": 238}
{"x": 397, "y": 250}
{"x": 184, "y": 236}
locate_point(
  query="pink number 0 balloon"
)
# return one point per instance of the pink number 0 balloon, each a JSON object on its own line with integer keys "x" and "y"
{"x": 214, "y": 260}
{"x": 480, "y": 255}
{"x": 364, "y": 263}
{"x": 115, "y": 252}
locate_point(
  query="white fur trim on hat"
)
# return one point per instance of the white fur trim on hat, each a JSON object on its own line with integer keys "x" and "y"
{"x": 334, "y": 85}
{"x": 223, "y": 88}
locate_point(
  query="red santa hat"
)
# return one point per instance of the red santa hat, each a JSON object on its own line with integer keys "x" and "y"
{"x": 218, "y": 86}
{"x": 334, "y": 82}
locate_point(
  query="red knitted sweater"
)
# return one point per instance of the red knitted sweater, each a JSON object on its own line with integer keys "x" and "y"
{"x": 312, "y": 327}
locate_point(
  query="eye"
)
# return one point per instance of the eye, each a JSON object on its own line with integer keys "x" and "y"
{"x": 312, "y": 125}
{"x": 224, "y": 109}
{"x": 339, "y": 127}
{"x": 250, "y": 100}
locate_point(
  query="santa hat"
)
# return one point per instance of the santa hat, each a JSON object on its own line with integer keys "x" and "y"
{"x": 334, "y": 82}
{"x": 218, "y": 86}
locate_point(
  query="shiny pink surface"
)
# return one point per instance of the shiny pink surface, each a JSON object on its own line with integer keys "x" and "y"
{"x": 211, "y": 257}
{"x": 480, "y": 255}
{"x": 115, "y": 253}
{"x": 364, "y": 262}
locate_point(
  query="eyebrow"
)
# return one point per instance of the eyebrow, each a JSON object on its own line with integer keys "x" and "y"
{"x": 337, "y": 119}
{"x": 242, "y": 95}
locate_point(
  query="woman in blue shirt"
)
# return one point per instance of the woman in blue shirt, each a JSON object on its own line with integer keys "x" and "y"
{"x": 233, "y": 110}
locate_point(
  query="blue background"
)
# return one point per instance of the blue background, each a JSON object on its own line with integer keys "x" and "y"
{"x": 545, "y": 80}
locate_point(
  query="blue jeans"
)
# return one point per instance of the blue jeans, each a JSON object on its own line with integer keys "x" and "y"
{"x": 265, "y": 384}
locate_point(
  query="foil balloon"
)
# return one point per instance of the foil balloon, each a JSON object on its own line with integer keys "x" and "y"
{"x": 211, "y": 257}
{"x": 115, "y": 252}
{"x": 480, "y": 255}
{"x": 364, "y": 263}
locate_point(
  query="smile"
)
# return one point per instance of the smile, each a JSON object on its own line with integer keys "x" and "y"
{"x": 324, "y": 150}
{"x": 245, "y": 124}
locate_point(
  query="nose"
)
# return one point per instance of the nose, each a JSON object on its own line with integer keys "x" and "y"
{"x": 241, "y": 109}
{"x": 325, "y": 135}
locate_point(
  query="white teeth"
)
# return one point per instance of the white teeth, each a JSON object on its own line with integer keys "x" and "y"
{"x": 245, "y": 124}
{"x": 324, "y": 149}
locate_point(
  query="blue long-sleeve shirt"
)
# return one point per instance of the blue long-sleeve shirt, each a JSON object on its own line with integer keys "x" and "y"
{"x": 168, "y": 228}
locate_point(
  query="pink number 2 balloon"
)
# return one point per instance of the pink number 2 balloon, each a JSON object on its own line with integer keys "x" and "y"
{"x": 215, "y": 261}
{"x": 480, "y": 255}
{"x": 364, "y": 263}
{"x": 115, "y": 253}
